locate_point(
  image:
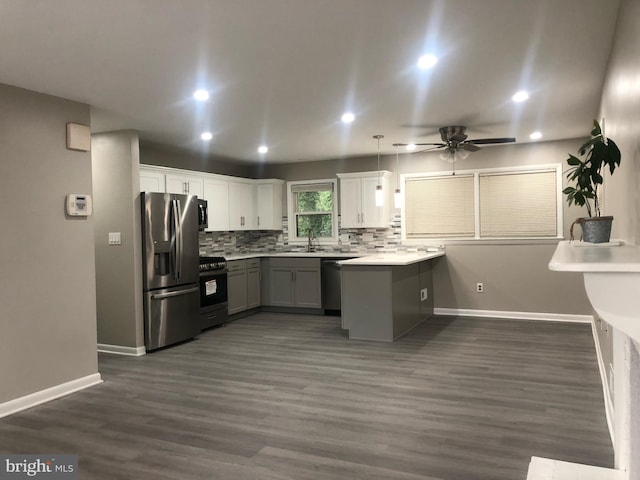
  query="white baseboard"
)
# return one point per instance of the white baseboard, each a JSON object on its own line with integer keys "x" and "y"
{"x": 48, "y": 394}
{"x": 604, "y": 378}
{"x": 121, "y": 350}
{"x": 546, "y": 317}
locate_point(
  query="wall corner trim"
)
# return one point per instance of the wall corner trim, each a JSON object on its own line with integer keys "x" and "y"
{"x": 48, "y": 394}
{"x": 604, "y": 378}
{"x": 546, "y": 317}
{"x": 121, "y": 350}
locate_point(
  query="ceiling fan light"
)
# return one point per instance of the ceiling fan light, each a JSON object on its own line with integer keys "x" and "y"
{"x": 411, "y": 147}
{"x": 454, "y": 155}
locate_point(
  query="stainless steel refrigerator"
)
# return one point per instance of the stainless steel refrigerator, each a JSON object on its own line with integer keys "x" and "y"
{"x": 170, "y": 271}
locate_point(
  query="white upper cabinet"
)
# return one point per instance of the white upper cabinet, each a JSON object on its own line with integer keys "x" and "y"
{"x": 357, "y": 200}
{"x": 184, "y": 183}
{"x": 151, "y": 181}
{"x": 233, "y": 203}
{"x": 269, "y": 204}
{"x": 241, "y": 206}
{"x": 216, "y": 193}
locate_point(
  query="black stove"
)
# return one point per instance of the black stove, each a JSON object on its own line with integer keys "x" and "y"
{"x": 210, "y": 264}
{"x": 213, "y": 291}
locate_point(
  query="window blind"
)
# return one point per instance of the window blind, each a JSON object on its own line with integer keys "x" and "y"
{"x": 312, "y": 187}
{"x": 440, "y": 206}
{"x": 518, "y": 204}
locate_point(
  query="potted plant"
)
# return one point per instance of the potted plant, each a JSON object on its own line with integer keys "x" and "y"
{"x": 599, "y": 153}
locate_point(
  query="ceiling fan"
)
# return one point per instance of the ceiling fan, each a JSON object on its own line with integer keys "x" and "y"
{"x": 455, "y": 143}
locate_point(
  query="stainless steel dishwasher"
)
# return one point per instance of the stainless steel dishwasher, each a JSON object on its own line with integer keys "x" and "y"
{"x": 331, "y": 286}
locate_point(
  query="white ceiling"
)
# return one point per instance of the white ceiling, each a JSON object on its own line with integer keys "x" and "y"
{"x": 282, "y": 72}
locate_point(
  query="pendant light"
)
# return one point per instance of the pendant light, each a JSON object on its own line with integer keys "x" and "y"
{"x": 397, "y": 196}
{"x": 379, "y": 192}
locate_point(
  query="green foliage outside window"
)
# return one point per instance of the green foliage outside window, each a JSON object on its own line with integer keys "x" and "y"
{"x": 314, "y": 210}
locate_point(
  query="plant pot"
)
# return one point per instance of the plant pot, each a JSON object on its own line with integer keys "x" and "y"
{"x": 594, "y": 229}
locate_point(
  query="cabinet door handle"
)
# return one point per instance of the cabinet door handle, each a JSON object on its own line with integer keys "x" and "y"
{"x": 258, "y": 220}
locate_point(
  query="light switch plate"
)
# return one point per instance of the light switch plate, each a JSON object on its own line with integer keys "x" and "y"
{"x": 114, "y": 238}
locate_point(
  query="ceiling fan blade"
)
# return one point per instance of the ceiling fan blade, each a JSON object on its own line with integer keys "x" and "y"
{"x": 421, "y": 144}
{"x": 439, "y": 145}
{"x": 470, "y": 147}
{"x": 486, "y": 141}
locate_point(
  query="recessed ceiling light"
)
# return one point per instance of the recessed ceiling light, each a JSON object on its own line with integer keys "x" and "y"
{"x": 520, "y": 96}
{"x": 427, "y": 61}
{"x": 347, "y": 117}
{"x": 535, "y": 136}
{"x": 262, "y": 149}
{"x": 201, "y": 95}
{"x": 206, "y": 136}
{"x": 411, "y": 147}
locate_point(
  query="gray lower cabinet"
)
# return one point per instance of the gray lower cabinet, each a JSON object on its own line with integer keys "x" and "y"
{"x": 254, "y": 278}
{"x": 294, "y": 282}
{"x": 243, "y": 285}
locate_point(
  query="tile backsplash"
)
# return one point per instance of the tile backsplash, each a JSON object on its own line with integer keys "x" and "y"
{"x": 352, "y": 240}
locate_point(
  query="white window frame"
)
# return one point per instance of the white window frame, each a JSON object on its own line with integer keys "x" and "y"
{"x": 291, "y": 214}
{"x": 556, "y": 167}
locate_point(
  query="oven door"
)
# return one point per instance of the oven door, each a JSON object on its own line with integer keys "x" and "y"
{"x": 213, "y": 288}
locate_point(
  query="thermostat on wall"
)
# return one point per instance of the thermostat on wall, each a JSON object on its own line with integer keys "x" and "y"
{"x": 78, "y": 205}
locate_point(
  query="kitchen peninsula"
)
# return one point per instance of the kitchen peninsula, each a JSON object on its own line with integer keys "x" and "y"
{"x": 384, "y": 296}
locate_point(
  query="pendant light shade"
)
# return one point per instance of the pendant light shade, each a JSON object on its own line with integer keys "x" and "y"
{"x": 379, "y": 191}
{"x": 379, "y": 196}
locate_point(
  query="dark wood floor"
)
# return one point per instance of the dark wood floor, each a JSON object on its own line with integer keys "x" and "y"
{"x": 290, "y": 397}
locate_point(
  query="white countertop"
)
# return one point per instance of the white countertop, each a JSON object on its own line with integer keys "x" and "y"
{"x": 392, "y": 259}
{"x": 351, "y": 258}
{"x": 244, "y": 256}
{"x": 611, "y": 279}
{"x": 578, "y": 257}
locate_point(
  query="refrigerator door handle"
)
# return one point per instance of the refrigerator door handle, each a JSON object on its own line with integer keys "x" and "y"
{"x": 175, "y": 211}
{"x": 175, "y": 293}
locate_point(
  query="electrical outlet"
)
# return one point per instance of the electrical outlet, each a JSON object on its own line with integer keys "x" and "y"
{"x": 424, "y": 294}
{"x": 479, "y": 287}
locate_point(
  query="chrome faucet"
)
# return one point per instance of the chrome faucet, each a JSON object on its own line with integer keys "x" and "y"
{"x": 310, "y": 236}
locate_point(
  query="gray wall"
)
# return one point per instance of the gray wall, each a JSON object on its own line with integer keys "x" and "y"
{"x": 621, "y": 109}
{"x": 165, "y": 156}
{"x": 116, "y": 184}
{"x": 516, "y": 277}
{"x": 47, "y": 286}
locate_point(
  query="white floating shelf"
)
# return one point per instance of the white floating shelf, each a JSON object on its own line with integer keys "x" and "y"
{"x": 611, "y": 280}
